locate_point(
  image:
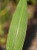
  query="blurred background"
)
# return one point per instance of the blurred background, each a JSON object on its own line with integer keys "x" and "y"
{"x": 7, "y": 8}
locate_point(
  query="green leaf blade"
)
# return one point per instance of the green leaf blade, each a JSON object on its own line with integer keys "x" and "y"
{"x": 18, "y": 27}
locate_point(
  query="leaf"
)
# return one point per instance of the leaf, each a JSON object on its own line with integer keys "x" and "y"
{"x": 18, "y": 27}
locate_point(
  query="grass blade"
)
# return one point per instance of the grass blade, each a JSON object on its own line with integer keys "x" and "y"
{"x": 18, "y": 27}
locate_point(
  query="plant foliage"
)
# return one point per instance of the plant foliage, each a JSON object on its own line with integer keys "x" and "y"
{"x": 18, "y": 27}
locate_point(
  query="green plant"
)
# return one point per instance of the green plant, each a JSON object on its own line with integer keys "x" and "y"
{"x": 18, "y": 27}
